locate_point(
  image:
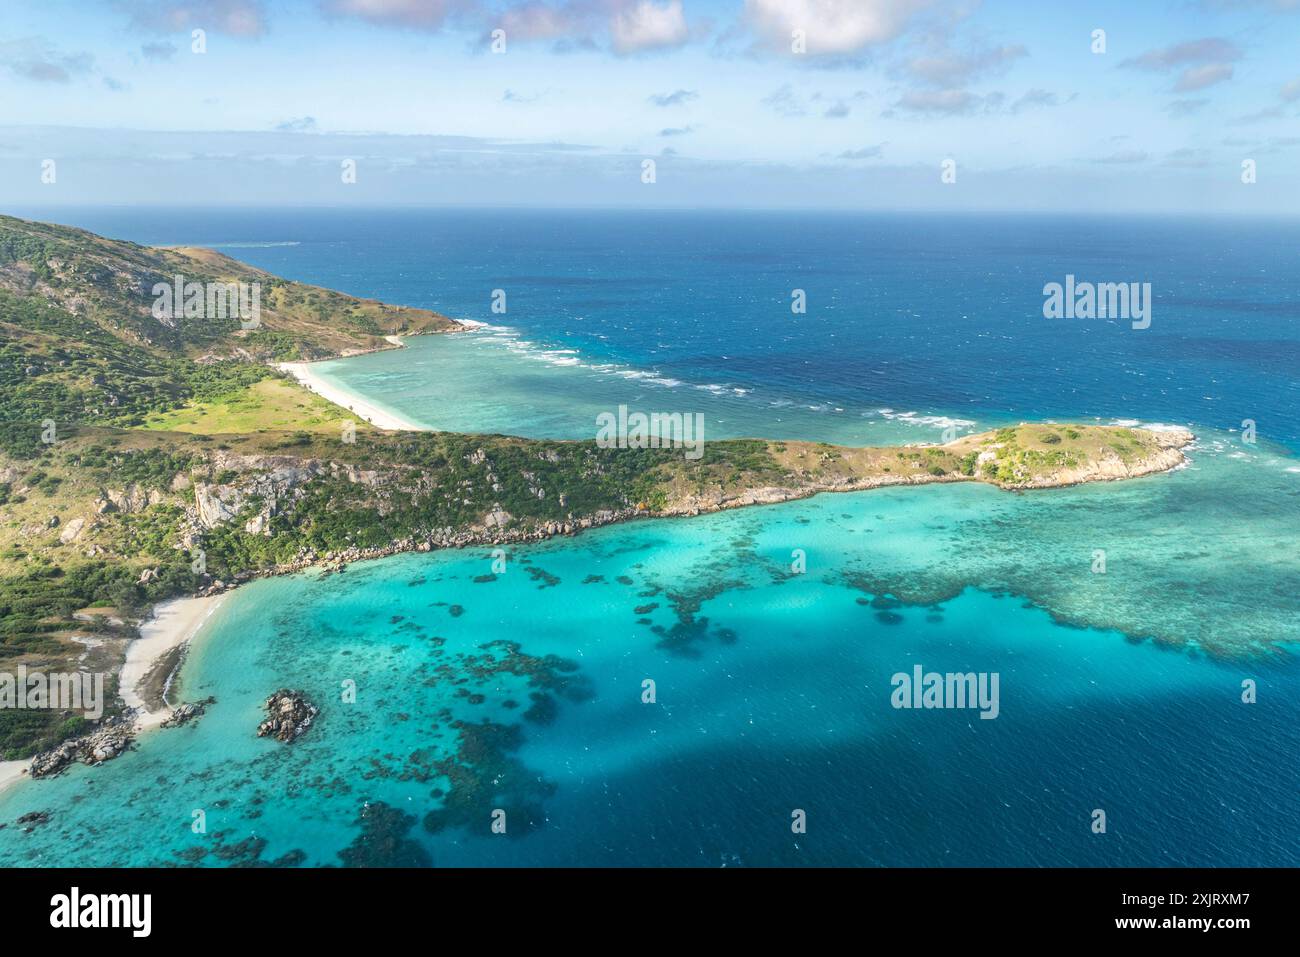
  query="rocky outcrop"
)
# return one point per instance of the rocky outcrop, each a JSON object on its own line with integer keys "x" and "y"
{"x": 32, "y": 820}
{"x": 185, "y": 713}
{"x": 72, "y": 530}
{"x": 288, "y": 716}
{"x": 131, "y": 499}
{"x": 274, "y": 482}
{"x": 103, "y": 744}
{"x": 1165, "y": 455}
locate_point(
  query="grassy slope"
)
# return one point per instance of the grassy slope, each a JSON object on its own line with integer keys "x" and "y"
{"x": 269, "y": 405}
{"x": 78, "y": 342}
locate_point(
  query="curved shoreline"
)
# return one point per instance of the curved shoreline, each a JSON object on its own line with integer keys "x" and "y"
{"x": 357, "y": 405}
{"x": 177, "y": 621}
{"x": 172, "y": 626}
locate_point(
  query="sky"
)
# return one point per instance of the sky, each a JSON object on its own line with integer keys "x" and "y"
{"x": 1017, "y": 105}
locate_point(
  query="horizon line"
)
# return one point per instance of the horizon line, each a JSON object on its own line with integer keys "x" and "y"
{"x": 541, "y": 208}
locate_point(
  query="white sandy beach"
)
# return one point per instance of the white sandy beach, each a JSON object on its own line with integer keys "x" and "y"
{"x": 174, "y": 623}
{"x": 11, "y": 771}
{"x": 302, "y": 371}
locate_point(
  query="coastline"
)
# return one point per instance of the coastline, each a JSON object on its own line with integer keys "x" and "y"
{"x": 173, "y": 624}
{"x": 357, "y": 405}
{"x": 152, "y": 657}
{"x": 11, "y": 772}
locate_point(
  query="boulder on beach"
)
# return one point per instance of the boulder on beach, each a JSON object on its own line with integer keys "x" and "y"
{"x": 185, "y": 713}
{"x": 103, "y": 744}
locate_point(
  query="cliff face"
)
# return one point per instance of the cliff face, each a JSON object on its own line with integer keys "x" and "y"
{"x": 272, "y": 485}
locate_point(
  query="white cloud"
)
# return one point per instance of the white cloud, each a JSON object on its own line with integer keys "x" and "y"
{"x": 537, "y": 21}
{"x": 1207, "y": 50}
{"x": 784, "y": 101}
{"x": 35, "y": 58}
{"x": 867, "y": 152}
{"x": 1198, "y": 78}
{"x": 831, "y": 27}
{"x": 1185, "y": 107}
{"x": 1035, "y": 99}
{"x": 422, "y": 14}
{"x": 299, "y": 124}
{"x": 676, "y": 98}
{"x": 161, "y": 50}
{"x": 951, "y": 69}
{"x": 647, "y": 25}
{"x": 1203, "y": 62}
{"x": 944, "y": 102}
{"x": 1125, "y": 158}
{"x": 239, "y": 18}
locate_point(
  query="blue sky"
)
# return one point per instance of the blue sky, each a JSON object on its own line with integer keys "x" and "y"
{"x": 884, "y": 92}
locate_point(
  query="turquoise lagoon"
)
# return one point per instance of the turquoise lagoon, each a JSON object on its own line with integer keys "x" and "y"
{"x": 522, "y": 692}
{"x": 496, "y": 379}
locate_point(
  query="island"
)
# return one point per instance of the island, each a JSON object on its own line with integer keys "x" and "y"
{"x": 145, "y": 460}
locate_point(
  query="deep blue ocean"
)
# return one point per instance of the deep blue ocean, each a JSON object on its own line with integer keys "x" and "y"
{"x": 521, "y": 691}
{"x": 915, "y": 313}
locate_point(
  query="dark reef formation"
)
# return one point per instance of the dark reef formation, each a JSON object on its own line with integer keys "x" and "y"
{"x": 288, "y": 716}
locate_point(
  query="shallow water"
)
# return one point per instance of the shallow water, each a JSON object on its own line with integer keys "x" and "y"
{"x": 772, "y": 694}
{"x": 495, "y": 380}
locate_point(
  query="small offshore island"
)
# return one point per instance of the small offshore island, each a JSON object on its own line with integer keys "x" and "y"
{"x": 182, "y": 461}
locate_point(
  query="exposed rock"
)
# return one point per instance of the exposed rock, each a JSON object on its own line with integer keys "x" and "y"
{"x": 217, "y": 503}
{"x": 260, "y": 522}
{"x": 185, "y": 713}
{"x": 72, "y": 530}
{"x": 281, "y": 485}
{"x": 131, "y": 499}
{"x": 289, "y": 715}
{"x": 103, "y": 744}
{"x": 275, "y": 480}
